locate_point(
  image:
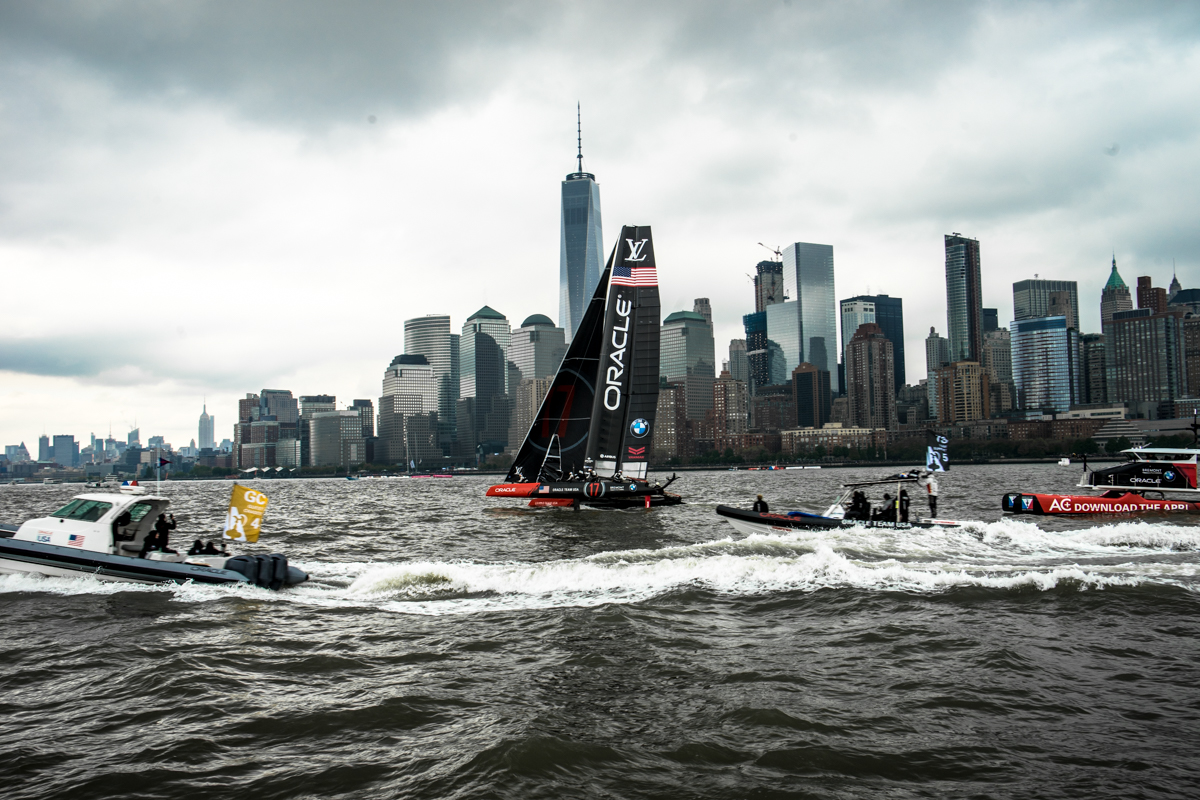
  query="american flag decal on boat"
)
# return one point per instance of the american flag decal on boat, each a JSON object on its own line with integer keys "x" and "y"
{"x": 76, "y": 540}
{"x": 625, "y": 275}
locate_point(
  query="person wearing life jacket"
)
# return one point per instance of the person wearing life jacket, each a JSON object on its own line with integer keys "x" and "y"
{"x": 760, "y": 505}
{"x": 159, "y": 538}
{"x": 904, "y": 501}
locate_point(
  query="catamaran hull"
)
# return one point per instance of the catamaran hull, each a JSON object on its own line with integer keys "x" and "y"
{"x": 751, "y": 522}
{"x": 596, "y": 494}
{"x": 1071, "y": 505}
{"x": 33, "y": 558}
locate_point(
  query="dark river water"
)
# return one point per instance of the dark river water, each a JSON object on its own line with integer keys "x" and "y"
{"x": 455, "y": 646}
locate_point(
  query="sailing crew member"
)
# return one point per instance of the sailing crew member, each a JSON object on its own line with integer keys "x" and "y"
{"x": 931, "y": 488}
{"x": 760, "y": 505}
{"x": 123, "y": 519}
{"x": 904, "y": 501}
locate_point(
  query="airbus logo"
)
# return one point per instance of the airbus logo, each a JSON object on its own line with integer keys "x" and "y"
{"x": 635, "y": 250}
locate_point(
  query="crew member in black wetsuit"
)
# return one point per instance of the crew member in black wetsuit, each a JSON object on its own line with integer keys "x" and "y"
{"x": 904, "y": 501}
{"x": 159, "y": 538}
{"x": 123, "y": 519}
{"x": 760, "y": 505}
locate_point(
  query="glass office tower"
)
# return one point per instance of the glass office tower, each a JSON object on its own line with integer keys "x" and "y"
{"x": 581, "y": 246}
{"x": 484, "y": 363}
{"x": 1045, "y": 363}
{"x": 808, "y": 281}
{"x": 430, "y": 336}
{"x": 783, "y": 328}
{"x": 964, "y": 299}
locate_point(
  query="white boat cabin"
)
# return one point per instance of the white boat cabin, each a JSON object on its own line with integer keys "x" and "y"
{"x": 89, "y": 522}
{"x": 1174, "y": 455}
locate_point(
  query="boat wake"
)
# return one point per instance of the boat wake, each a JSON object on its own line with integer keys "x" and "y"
{"x": 1007, "y": 555}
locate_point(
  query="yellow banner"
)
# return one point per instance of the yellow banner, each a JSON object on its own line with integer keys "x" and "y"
{"x": 244, "y": 520}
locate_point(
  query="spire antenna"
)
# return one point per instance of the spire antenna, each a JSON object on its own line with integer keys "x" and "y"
{"x": 578, "y": 137}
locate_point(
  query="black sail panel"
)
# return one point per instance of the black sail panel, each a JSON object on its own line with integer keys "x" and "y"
{"x": 566, "y": 411}
{"x": 627, "y": 378}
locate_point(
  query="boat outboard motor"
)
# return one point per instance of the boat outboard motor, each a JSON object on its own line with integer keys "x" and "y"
{"x": 269, "y": 572}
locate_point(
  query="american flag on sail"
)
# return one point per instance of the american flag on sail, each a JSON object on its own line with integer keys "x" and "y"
{"x": 625, "y": 275}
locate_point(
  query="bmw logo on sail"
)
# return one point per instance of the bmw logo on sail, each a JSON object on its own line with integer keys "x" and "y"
{"x": 639, "y": 427}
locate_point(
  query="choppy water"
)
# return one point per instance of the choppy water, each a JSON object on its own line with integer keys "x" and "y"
{"x": 452, "y": 645}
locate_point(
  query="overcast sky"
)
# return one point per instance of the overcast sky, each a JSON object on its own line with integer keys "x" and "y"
{"x": 204, "y": 199}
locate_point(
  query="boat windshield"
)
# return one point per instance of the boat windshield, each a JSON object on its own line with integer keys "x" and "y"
{"x": 83, "y": 510}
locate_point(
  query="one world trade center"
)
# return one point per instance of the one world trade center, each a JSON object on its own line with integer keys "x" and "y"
{"x": 581, "y": 245}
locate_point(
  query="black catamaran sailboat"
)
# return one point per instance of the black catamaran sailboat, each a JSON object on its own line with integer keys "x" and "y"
{"x": 590, "y": 441}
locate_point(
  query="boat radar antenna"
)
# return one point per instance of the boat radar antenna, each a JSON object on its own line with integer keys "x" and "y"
{"x": 578, "y": 138}
{"x": 776, "y": 250}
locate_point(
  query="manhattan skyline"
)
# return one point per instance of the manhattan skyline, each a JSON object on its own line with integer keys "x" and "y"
{"x": 186, "y": 212}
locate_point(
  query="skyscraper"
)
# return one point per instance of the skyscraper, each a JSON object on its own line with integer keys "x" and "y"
{"x": 768, "y": 285}
{"x": 739, "y": 364}
{"x": 731, "y": 405}
{"x": 757, "y": 357}
{"x": 886, "y": 312}
{"x": 1095, "y": 380}
{"x": 537, "y": 348}
{"x": 964, "y": 298}
{"x": 997, "y": 363}
{"x": 44, "y": 451}
{"x": 808, "y": 280}
{"x": 963, "y": 393}
{"x": 430, "y": 336}
{"x": 484, "y": 363}
{"x": 784, "y": 328}
{"x": 1031, "y": 299}
{"x": 1114, "y": 297}
{"x": 408, "y": 412}
{"x": 704, "y": 308}
{"x": 366, "y": 413}
{"x": 1045, "y": 363}
{"x": 870, "y": 378}
{"x": 207, "y": 424}
{"x": 687, "y": 356}
{"x": 937, "y": 355}
{"x": 581, "y": 244}
{"x": 1145, "y": 356}
{"x": 991, "y": 320}
{"x": 813, "y": 397}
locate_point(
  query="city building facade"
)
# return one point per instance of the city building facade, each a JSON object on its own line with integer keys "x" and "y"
{"x": 430, "y": 336}
{"x": 964, "y": 298}
{"x": 963, "y": 394}
{"x": 687, "y": 356}
{"x": 1114, "y": 296}
{"x": 870, "y": 378}
{"x": 581, "y": 246}
{"x": 1031, "y": 299}
{"x": 1145, "y": 357}
{"x": 813, "y": 396}
{"x": 1046, "y": 364}
{"x": 808, "y": 279}
{"x": 537, "y": 347}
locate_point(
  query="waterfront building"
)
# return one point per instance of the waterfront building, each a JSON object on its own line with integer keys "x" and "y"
{"x": 581, "y": 244}
{"x": 16, "y": 453}
{"x": 991, "y": 320}
{"x": 773, "y": 408}
{"x": 1095, "y": 381}
{"x": 739, "y": 364}
{"x": 813, "y": 397}
{"x": 1145, "y": 357}
{"x": 669, "y": 439}
{"x": 687, "y": 356}
{"x": 886, "y": 312}
{"x": 430, "y": 336}
{"x": 45, "y": 454}
{"x": 1114, "y": 297}
{"x": 537, "y": 347}
{"x": 731, "y": 405}
{"x": 408, "y": 412}
{"x": 870, "y": 378}
{"x": 207, "y": 426}
{"x": 808, "y": 280}
{"x": 483, "y": 364}
{"x": 768, "y": 285}
{"x": 337, "y": 439}
{"x": 964, "y": 298}
{"x": 964, "y": 394}
{"x": 1032, "y": 300}
{"x": 310, "y": 405}
{"x": 1045, "y": 364}
{"x": 833, "y": 436}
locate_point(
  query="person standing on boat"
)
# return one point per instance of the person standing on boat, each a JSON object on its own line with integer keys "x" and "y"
{"x": 904, "y": 501}
{"x": 928, "y": 480}
{"x": 760, "y": 505}
{"x": 159, "y": 538}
